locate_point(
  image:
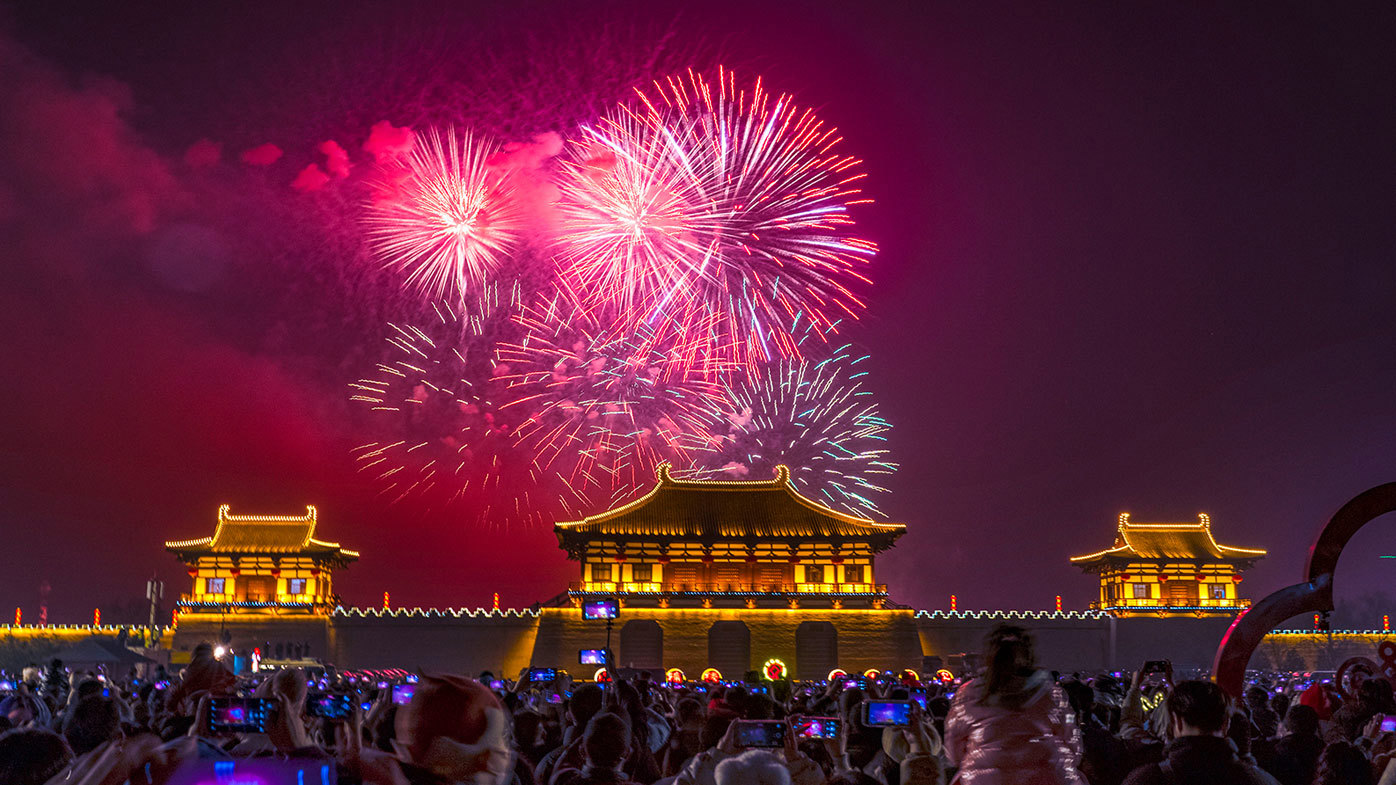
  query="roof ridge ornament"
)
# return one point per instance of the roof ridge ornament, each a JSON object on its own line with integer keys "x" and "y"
{"x": 1124, "y": 521}
{"x": 1206, "y": 521}
{"x": 782, "y": 474}
{"x": 661, "y": 472}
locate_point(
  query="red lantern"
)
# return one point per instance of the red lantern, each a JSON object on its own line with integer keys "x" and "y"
{"x": 1126, "y": 576}
{"x": 663, "y": 559}
{"x": 276, "y": 572}
{"x": 837, "y": 560}
{"x": 235, "y": 572}
{"x": 752, "y": 560}
{"x": 794, "y": 559}
{"x": 620, "y": 559}
{"x": 314, "y": 572}
{"x": 707, "y": 559}
{"x": 193, "y": 572}
{"x": 1236, "y": 579}
{"x": 1201, "y": 577}
{"x": 1163, "y": 579}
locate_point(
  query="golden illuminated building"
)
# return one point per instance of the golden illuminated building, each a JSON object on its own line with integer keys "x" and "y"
{"x": 1169, "y": 569}
{"x": 261, "y": 562}
{"x": 689, "y": 543}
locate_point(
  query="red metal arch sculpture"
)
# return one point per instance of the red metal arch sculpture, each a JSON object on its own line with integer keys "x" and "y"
{"x": 1315, "y": 595}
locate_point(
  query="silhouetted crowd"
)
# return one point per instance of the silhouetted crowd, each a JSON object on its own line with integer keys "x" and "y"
{"x": 1011, "y": 723}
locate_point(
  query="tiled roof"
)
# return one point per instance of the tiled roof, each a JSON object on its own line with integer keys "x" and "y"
{"x": 715, "y": 511}
{"x": 1168, "y": 541}
{"x": 271, "y": 534}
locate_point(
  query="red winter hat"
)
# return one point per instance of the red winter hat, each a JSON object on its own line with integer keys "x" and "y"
{"x": 1315, "y": 698}
{"x": 448, "y": 706}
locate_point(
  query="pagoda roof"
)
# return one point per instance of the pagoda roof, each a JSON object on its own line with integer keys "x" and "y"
{"x": 714, "y": 511}
{"x": 1167, "y": 542}
{"x": 263, "y": 534}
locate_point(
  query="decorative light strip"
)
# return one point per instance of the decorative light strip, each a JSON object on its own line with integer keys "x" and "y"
{"x": 940, "y": 614}
{"x": 455, "y": 613}
{"x": 84, "y": 627}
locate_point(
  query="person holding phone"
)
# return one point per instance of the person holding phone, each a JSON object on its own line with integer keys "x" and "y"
{"x": 1013, "y": 723}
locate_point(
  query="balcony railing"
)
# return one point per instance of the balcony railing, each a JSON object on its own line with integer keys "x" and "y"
{"x": 1164, "y": 603}
{"x": 607, "y": 587}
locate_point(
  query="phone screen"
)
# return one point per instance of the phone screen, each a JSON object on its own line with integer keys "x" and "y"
{"x": 238, "y": 715}
{"x": 816, "y": 727}
{"x": 601, "y": 609}
{"x": 256, "y": 770}
{"x": 592, "y": 656}
{"x": 330, "y": 706}
{"x": 402, "y": 693}
{"x": 920, "y": 698}
{"x": 1388, "y": 723}
{"x": 888, "y": 713}
{"x": 542, "y": 674}
{"x": 764, "y": 734}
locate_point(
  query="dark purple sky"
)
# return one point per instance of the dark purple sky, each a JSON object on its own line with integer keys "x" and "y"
{"x": 1133, "y": 258}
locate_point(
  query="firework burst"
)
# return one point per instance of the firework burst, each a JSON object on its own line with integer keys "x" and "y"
{"x": 714, "y": 208}
{"x": 604, "y": 404}
{"x": 816, "y": 418}
{"x": 448, "y": 220}
{"x": 439, "y": 406}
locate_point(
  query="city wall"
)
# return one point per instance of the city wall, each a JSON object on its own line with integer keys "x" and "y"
{"x": 810, "y": 642}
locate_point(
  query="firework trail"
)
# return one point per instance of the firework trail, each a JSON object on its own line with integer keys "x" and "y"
{"x": 604, "y": 404}
{"x": 815, "y": 417}
{"x": 714, "y": 208}
{"x": 449, "y": 219}
{"x": 439, "y": 404}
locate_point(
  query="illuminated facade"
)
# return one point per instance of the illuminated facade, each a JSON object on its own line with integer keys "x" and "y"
{"x": 728, "y": 544}
{"x": 261, "y": 562}
{"x": 1169, "y": 569}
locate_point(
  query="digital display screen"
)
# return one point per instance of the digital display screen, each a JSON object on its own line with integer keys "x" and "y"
{"x": 816, "y": 727}
{"x": 592, "y": 656}
{"x": 885, "y": 713}
{"x": 238, "y": 715}
{"x": 402, "y": 693}
{"x": 760, "y": 734}
{"x": 601, "y": 609}
{"x": 256, "y": 771}
{"x": 542, "y": 674}
{"x": 330, "y": 707}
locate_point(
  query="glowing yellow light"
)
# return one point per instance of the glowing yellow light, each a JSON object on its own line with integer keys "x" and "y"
{"x": 674, "y": 676}
{"x": 773, "y": 670}
{"x": 711, "y": 675}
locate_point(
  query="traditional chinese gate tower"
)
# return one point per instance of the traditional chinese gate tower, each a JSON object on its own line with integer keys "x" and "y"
{"x": 1169, "y": 569}
{"x": 261, "y": 562}
{"x": 728, "y": 545}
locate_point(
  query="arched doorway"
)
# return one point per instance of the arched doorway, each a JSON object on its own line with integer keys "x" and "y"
{"x": 816, "y": 649}
{"x": 642, "y": 646}
{"x": 729, "y": 648}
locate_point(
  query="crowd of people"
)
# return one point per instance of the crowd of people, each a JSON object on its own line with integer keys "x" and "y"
{"x": 1011, "y": 723}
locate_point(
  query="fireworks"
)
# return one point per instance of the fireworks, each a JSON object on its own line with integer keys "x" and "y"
{"x": 816, "y": 418}
{"x": 604, "y": 405}
{"x": 448, "y": 220}
{"x": 704, "y": 255}
{"x": 439, "y": 404}
{"x": 714, "y": 207}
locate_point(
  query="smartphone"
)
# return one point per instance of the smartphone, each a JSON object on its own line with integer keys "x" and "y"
{"x": 382, "y": 685}
{"x": 555, "y": 698}
{"x": 536, "y": 675}
{"x": 884, "y": 714}
{"x": 760, "y": 734}
{"x": 592, "y": 656}
{"x": 1388, "y": 723}
{"x": 497, "y": 684}
{"x": 402, "y": 693}
{"x": 816, "y": 727}
{"x": 7, "y": 686}
{"x": 330, "y": 706}
{"x": 1156, "y": 666}
{"x": 411, "y": 678}
{"x": 601, "y": 609}
{"x": 260, "y": 770}
{"x": 238, "y": 715}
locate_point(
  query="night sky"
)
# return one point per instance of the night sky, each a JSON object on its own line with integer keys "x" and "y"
{"x": 1133, "y": 258}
